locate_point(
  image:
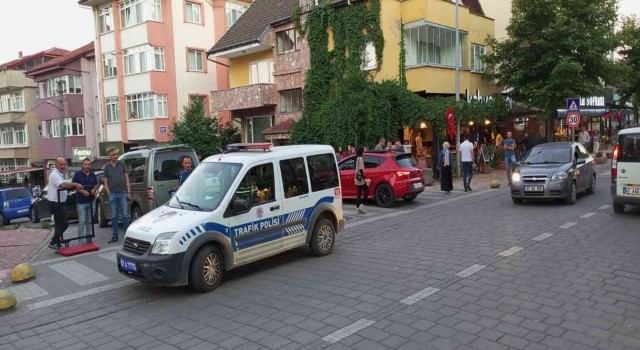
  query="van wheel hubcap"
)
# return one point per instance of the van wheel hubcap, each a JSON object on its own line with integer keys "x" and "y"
{"x": 325, "y": 237}
{"x": 211, "y": 269}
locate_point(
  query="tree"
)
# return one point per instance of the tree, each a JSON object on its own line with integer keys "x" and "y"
{"x": 628, "y": 82}
{"x": 555, "y": 49}
{"x": 203, "y": 133}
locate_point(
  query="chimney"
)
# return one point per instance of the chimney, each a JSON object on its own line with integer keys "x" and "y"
{"x": 19, "y": 54}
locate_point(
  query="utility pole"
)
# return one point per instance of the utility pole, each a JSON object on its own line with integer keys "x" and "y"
{"x": 61, "y": 110}
{"x": 458, "y": 54}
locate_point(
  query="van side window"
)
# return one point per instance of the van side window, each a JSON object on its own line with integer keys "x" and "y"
{"x": 18, "y": 193}
{"x": 629, "y": 148}
{"x": 323, "y": 172}
{"x": 166, "y": 166}
{"x": 294, "y": 177}
{"x": 136, "y": 167}
{"x": 258, "y": 186}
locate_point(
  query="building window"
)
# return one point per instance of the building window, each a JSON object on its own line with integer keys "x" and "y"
{"x": 112, "y": 109}
{"x": 156, "y": 10}
{"x": 192, "y": 13}
{"x": 51, "y": 128}
{"x": 290, "y": 101}
{"x": 13, "y": 102}
{"x": 261, "y": 72}
{"x": 161, "y": 100}
{"x": 159, "y": 58}
{"x": 110, "y": 68}
{"x": 21, "y": 135}
{"x": 429, "y": 44}
{"x": 254, "y": 126}
{"x": 106, "y": 19}
{"x": 234, "y": 11}
{"x": 133, "y": 12}
{"x": 369, "y": 60}
{"x": 143, "y": 58}
{"x": 195, "y": 63}
{"x": 286, "y": 41}
{"x": 146, "y": 106}
{"x": 477, "y": 52}
{"x": 74, "y": 126}
{"x": 74, "y": 84}
{"x": 71, "y": 84}
{"x": 7, "y": 136}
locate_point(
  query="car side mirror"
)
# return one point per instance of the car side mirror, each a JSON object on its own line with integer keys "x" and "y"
{"x": 518, "y": 163}
{"x": 240, "y": 205}
{"x": 581, "y": 161}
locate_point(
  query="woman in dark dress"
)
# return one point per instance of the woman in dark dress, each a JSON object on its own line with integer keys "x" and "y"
{"x": 445, "y": 162}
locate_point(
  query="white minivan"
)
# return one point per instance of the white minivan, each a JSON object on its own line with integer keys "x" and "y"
{"x": 625, "y": 170}
{"x": 249, "y": 203}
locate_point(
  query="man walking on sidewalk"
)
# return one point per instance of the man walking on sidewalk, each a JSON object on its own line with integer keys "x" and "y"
{"x": 466, "y": 156}
{"x": 89, "y": 182}
{"x": 57, "y": 207}
{"x": 509, "y": 154}
{"x": 116, "y": 183}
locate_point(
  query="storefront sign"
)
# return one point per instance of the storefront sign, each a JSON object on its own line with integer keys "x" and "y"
{"x": 105, "y": 146}
{"x": 80, "y": 153}
{"x": 594, "y": 101}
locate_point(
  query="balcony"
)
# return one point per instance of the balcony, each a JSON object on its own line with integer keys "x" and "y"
{"x": 244, "y": 97}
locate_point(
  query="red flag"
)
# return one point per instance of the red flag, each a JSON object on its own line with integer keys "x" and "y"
{"x": 450, "y": 120}
{"x": 619, "y": 117}
{"x": 607, "y": 116}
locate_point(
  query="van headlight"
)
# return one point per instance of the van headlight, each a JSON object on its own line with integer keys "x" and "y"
{"x": 163, "y": 241}
{"x": 559, "y": 176}
{"x": 515, "y": 177}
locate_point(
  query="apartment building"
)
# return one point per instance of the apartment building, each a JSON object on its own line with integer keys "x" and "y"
{"x": 20, "y": 155}
{"x": 152, "y": 62}
{"x": 75, "y": 74}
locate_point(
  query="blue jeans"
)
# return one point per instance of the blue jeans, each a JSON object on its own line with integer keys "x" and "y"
{"x": 510, "y": 162}
{"x": 118, "y": 202}
{"x": 84, "y": 219}
{"x": 467, "y": 173}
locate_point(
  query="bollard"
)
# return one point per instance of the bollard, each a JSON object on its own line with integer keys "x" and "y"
{"x": 494, "y": 184}
{"x": 7, "y": 300}
{"x": 23, "y": 272}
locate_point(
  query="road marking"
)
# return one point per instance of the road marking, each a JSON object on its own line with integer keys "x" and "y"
{"x": 408, "y": 211}
{"x": 63, "y": 258}
{"x": 414, "y": 298}
{"x": 606, "y": 206}
{"x": 26, "y": 291}
{"x": 588, "y": 215}
{"x": 568, "y": 224}
{"x": 542, "y": 237}
{"x": 109, "y": 256}
{"x": 348, "y": 330}
{"x": 510, "y": 251}
{"x": 470, "y": 270}
{"x": 78, "y": 295}
{"x": 78, "y": 273}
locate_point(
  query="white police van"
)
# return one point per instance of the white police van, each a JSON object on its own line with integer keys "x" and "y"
{"x": 251, "y": 202}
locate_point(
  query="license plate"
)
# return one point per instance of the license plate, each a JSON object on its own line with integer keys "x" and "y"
{"x": 22, "y": 211}
{"x": 417, "y": 185}
{"x": 534, "y": 188}
{"x": 127, "y": 265}
{"x": 632, "y": 191}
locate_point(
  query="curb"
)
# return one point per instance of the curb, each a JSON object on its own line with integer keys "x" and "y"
{"x": 44, "y": 244}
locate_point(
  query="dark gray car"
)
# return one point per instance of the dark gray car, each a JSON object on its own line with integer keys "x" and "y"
{"x": 557, "y": 170}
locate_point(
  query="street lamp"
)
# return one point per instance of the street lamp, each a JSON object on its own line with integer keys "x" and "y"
{"x": 458, "y": 83}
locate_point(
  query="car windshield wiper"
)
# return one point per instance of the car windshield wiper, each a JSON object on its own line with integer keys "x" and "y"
{"x": 176, "y": 197}
{"x": 197, "y": 207}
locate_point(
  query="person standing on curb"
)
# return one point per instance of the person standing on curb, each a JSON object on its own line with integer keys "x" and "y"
{"x": 360, "y": 181}
{"x": 57, "y": 201}
{"x": 89, "y": 182}
{"x": 445, "y": 162}
{"x": 116, "y": 183}
{"x": 466, "y": 156}
{"x": 509, "y": 154}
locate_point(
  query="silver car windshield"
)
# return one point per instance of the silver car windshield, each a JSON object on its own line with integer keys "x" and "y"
{"x": 549, "y": 156}
{"x": 205, "y": 188}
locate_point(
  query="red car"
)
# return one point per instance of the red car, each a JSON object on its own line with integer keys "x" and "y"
{"x": 393, "y": 175}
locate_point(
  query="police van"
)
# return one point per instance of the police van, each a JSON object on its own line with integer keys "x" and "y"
{"x": 247, "y": 204}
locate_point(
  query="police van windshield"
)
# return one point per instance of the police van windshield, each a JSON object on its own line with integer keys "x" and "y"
{"x": 205, "y": 187}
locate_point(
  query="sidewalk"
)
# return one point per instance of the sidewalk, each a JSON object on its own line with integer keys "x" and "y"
{"x": 16, "y": 246}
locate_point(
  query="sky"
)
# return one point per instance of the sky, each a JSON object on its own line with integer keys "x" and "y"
{"x": 31, "y": 26}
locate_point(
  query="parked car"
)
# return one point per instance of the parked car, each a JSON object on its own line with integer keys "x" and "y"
{"x": 393, "y": 175}
{"x": 556, "y": 170}
{"x": 152, "y": 174}
{"x": 625, "y": 170}
{"x": 40, "y": 206}
{"x": 16, "y": 204}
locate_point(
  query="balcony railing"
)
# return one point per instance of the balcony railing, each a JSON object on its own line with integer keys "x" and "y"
{"x": 249, "y": 96}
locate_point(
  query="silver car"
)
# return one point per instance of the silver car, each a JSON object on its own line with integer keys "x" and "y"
{"x": 556, "y": 170}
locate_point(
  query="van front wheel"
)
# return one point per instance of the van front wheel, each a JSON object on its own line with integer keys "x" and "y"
{"x": 323, "y": 238}
{"x": 206, "y": 270}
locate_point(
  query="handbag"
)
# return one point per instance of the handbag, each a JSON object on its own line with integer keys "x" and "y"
{"x": 359, "y": 176}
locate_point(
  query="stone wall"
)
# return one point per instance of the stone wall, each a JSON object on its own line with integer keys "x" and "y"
{"x": 250, "y": 96}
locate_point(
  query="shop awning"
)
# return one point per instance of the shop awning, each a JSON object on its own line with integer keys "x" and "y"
{"x": 20, "y": 170}
{"x": 279, "y": 131}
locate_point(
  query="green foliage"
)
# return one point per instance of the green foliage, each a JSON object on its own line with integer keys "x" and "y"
{"x": 628, "y": 69}
{"x": 556, "y": 49}
{"x": 203, "y": 133}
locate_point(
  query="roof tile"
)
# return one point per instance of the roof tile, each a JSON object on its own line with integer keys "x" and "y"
{"x": 70, "y": 56}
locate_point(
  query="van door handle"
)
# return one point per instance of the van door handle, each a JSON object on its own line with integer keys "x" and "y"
{"x": 275, "y": 207}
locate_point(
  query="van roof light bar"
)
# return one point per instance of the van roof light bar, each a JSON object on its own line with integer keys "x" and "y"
{"x": 237, "y": 147}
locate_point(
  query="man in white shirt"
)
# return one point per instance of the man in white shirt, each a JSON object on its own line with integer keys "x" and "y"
{"x": 59, "y": 208}
{"x": 584, "y": 137}
{"x": 466, "y": 156}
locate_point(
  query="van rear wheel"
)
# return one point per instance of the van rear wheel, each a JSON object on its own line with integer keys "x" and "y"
{"x": 206, "y": 270}
{"x": 618, "y": 208}
{"x": 323, "y": 238}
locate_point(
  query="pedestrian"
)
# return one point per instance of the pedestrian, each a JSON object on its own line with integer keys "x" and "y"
{"x": 186, "y": 162}
{"x": 390, "y": 146}
{"x": 381, "y": 144}
{"x": 362, "y": 183}
{"x": 509, "y": 145}
{"x": 399, "y": 147}
{"x": 116, "y": 183}
{"x": 584, "y": 137}
{"x": 341, "y": 152}
{"x": 466, "y": 156}
{"x": 526, "y": 142}
{"x": 596, "y": 142}
{"x": 57, "y": 201}
{"x": 89, "y": 182}
{"x": 349, "y": 152}
{"x": 445, "y": 162}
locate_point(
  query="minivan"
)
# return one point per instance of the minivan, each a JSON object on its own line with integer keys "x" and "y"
{"x": 625, "y": 170}
{"x": 16, "y": 203}
{"x": 153, "y": 173}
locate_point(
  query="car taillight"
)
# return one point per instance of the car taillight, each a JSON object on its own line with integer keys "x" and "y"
{"x": 150, "y": 194}
{"x": 614, "y": 163}
{"x": 403, "y": 173}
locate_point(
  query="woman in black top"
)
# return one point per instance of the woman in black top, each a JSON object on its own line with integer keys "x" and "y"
{"x": 361, "y": 183}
